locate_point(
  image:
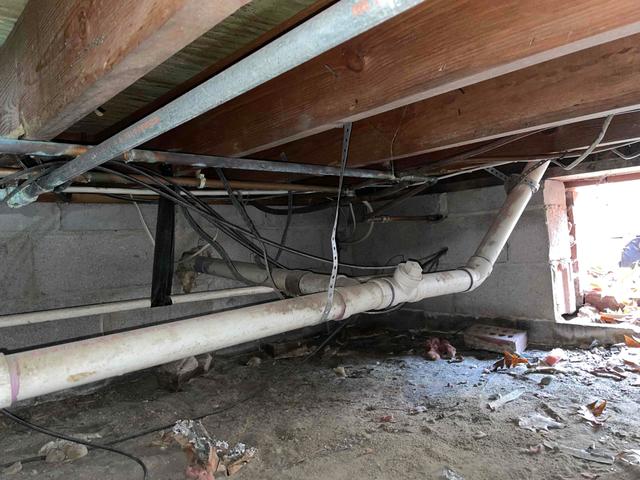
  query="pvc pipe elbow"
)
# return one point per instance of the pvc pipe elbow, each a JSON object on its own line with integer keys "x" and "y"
{"x": 6, "y": 388}
{"x": 479, "y": 269}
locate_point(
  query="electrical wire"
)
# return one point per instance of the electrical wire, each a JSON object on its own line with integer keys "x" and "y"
{"x": 143, "y": 222}
{"x": 287, "y": 224}
{"x": 592, "y": 147}
{"x": 242, "y": 211}
{"x": 51, "y": 433}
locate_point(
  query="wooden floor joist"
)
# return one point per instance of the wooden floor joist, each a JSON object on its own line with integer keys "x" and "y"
{"x": 65, "y": 58}
{"x": 438, "y": 47}
{"x": 582, "y": 86}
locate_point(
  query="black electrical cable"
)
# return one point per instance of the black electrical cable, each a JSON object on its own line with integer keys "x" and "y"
{"x": 242, "y": 211}
{"x": 51, "y": 433}
{"x": 216, "y": 220}
{"x": 287, "y": 224}
{"x": 220, "y": 221}
{"x": 295, "y": 210}
{"x": 217, "y": 247}
{"x": 149, "y": 431}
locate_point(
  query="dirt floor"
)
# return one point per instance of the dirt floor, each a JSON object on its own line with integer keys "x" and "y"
{"x": 394, "y": 416}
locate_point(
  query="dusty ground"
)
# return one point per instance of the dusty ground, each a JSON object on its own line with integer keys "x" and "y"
{"x": 308, "y": 423}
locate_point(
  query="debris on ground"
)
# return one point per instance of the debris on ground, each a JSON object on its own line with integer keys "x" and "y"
{"x": 509, "y": 360}
{"x": 631, "y": 341}
{"x": 590, "y": 455}
{"x": 205, "y": 361}
{"x": 58, "y": 451}
{"x": 495, "y": 339}
{"x": 554, "y": 356}
{"x": 436, "y": 348}
{"x": 340, "y": 372}
{"x": 534, "y": 449}
{"x": 592, "y": 412}
{"x": 612, "y": 296}
{"x": 386, "y": 419}
{"x": 12, "y": 469}
{"x": 448, "y": 474}
{"x": 284, "y": 350}
{"x": 417, "y": 409}
{"x": 537, "y": 422}
{"x": 206, "y": 456}
{"x": 546, "y": 381}
{"x": 629, "y": 456}
{"x": 254, "y": 362}
{"x": 504, "y": 399}
{"x": 588, "y": 313}
{"x": 174, "y": 375}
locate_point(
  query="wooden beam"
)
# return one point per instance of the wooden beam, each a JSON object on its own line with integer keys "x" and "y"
{"x": 65, "y": 58}
{"x": 581, "y": 87}
{"x": 279, "y": 30}
{"x": 437, "y": 47}
{"x": 624, "y": 128}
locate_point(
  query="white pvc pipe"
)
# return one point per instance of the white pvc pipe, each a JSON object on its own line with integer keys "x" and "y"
{"x": 28, "y": 318}
{"x": 146, "y": 192}
{"x": 37, "y": 372}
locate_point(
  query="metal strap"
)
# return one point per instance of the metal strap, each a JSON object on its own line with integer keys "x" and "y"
{"x": 346, "y": 136}
{"x": 497, "y": 173}
{"x": 510, "y": 182}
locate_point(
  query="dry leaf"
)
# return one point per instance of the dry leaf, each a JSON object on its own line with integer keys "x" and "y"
{"x": 510, "y": 360}
{"x": 592, "y": 411}
{"x": 597, "y": 407}
{"x": 632, "y": 342}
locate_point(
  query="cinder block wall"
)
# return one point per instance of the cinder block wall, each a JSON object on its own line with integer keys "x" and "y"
{"x": 520, "y": 286}
{"x": 63, "y": 255}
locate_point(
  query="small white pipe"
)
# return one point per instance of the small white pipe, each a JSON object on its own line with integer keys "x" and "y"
{"x": 37, "y": 372}
{"x": 28, "y": 318}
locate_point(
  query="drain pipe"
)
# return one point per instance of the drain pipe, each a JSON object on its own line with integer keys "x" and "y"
{"x": 37, "y": 372}
{"x": 293, "y": 282}
{"x": 28, "y": 318}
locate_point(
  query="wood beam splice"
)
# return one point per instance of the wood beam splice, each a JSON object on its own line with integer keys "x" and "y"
{"x": 65, "y": 58}
{"x": 437, "y": 47}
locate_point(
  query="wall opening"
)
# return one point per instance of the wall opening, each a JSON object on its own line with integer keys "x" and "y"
{"x": 605, "y": 230}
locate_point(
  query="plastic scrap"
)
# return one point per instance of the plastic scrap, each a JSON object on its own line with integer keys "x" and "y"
{"x": 58, "y": 451}
{"x": 537, "y": 422}
{"x": 448, "y": 474}
{"x": 503, "y": 399}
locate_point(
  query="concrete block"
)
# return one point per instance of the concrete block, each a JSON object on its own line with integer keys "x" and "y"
{"x": 495, "y": 339}
{"x": 529, "y": 242}
{"x": 79, "y": 217}
{"x": 512, "y": 291}
{"x": 17, "y": 276}
{"x": 35, "y": 217}
{"x": 90, "y": 262}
